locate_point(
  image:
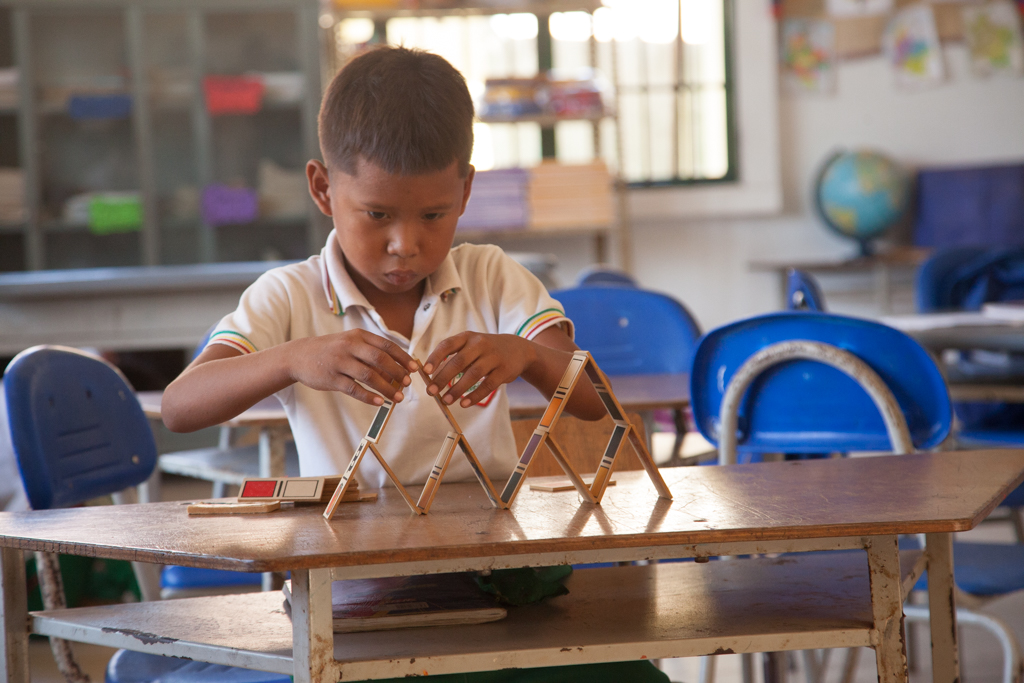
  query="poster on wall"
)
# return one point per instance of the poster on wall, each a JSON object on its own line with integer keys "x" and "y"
{"x": 993, "y": 37}
{"x": 911, "y": 45}
{"x": 808, "y": 56}
{"x": 858, "y": 8}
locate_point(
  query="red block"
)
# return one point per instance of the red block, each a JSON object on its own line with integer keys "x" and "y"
{"x": 258, "y": 489}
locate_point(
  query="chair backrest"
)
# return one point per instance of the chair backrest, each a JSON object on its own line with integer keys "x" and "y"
{"x": 78, "y": 430}
{"x": 602, "y": 275}
{"x": 803, "y": 293}
{"x": 964, "y": 278}
{"x": 631, "y": 331}
{"x": 805, "y": 406}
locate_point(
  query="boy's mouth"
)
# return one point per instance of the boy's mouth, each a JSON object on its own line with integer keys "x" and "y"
{"x": 400, "y": 277}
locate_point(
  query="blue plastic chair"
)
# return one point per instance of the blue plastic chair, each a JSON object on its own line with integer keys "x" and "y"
{"x": 965, "y": 278}
{"x": 806, "y": 406}
{"x": 633, "y": 331}
{"x": 803, "y": 293}
{"x": 814, "y": 407}
{"x": 78, "y": 434}
{"x": 602, "y": 275}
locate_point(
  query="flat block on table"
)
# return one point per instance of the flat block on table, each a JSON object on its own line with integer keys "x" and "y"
{"x": 792, "y": 602}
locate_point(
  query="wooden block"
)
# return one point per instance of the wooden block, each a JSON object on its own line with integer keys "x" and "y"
{"x": 556, "y": 483}
{"x": 297, "y": 489}
{"x": 351, "y": 496}
{"x": 233, "y": 508}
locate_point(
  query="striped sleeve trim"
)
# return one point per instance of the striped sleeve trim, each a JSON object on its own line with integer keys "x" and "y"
{"x": 539, "y": 322}
{"x": 234, "y": 340}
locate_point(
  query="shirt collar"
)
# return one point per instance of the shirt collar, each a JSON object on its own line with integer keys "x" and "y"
{"x": 341, "y": 292}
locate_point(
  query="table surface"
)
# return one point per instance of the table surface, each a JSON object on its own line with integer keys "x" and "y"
{"x": 961, "y": 330}
{"x": 635, "y": 393}
{"x": 919, "y": 493}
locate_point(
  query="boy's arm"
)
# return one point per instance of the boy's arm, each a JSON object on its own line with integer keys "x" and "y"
{"x": 222, "y": 382}
{"x": 500, "y": 358}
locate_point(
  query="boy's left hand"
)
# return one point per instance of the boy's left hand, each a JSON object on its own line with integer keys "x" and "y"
{"x": 494, "y": 358}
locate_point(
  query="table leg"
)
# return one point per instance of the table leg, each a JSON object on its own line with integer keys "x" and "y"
{"x": 271, "y": 454}
{"x": 942, "y": 608}
{"x": 14, "y": 613}
{"x": 312, "y": 627}
{"x": 887, "y": 608}
{"x": 271, "y": 451}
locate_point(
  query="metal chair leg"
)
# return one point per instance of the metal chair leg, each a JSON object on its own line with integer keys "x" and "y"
{"x": 707, "y": 669}
{"x": 1012, "y": 666}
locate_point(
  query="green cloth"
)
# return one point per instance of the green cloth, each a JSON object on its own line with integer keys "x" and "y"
{"x": 525, "y": 585}
{"x": 612, "y": 672}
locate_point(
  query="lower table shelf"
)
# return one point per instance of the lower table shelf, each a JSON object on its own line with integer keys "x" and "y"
{"x": 803, "y": 601}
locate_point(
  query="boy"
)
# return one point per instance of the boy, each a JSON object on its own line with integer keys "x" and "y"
{"x": 333, "y": 334}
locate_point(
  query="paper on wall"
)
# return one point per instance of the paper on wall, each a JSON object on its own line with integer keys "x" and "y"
{"x": 911, "y": 45}
{"x": 993, "y": 36}
{"x": 807, "y": 55}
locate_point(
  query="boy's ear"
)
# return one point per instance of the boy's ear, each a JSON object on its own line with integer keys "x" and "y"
{"x": 319, "y": 185}
{"x": 467, "y": 188}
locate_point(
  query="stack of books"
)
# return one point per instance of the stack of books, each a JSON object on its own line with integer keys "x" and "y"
{"x": 12, "y": 195}
{"x": 563, "y": 196}
{"x": 498, "y": 201}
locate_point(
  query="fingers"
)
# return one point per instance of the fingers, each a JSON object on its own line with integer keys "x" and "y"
{"x": 478, "y": 373}
{"x": 446, "y": 348}
{"x": 347, "y": 386}
{"x": 396, "y": 355}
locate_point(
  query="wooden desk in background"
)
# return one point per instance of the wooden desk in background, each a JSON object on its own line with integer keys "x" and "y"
{"x": 965, "y": 330}
{"x": 120, "y": 309}
{"x": 614, "y": 614}
{"x": 636, "y": 393}
{"x": 881, "y": 267}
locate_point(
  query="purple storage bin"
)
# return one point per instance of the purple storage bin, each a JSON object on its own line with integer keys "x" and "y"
{"x": 223, "y": 205}
{"x": 498, "y": 201}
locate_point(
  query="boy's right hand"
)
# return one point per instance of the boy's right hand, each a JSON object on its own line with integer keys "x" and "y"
{"x": 340, "y": 362}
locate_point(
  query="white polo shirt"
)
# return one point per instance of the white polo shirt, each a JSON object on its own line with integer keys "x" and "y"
{"x": 476, "y": 288}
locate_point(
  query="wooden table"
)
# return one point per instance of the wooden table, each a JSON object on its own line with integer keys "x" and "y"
{"x": 636, "y": 393}
{"x": 939, "y": 332}
{"x": 614, "y": 614}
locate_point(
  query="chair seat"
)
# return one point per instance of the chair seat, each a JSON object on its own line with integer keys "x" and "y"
{"x": 986, "y": 569}
{"x": 180, "y": 578}
{"x": 127, "y": 666}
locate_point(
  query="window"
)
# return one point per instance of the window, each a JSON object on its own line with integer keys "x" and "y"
{"x": 662, "y": 66}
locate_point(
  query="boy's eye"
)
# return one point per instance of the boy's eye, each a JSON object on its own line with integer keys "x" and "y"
{"x": 433, "y": 216}
{"x": 376, "y": 215}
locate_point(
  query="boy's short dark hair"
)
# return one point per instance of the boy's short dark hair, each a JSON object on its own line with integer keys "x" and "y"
{"x": 407, "y": 111}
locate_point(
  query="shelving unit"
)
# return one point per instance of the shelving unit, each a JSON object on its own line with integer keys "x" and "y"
{"x": 616, "y": 231}
{"x": 168, "y": 147}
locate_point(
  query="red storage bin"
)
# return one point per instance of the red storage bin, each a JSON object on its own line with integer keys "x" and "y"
{"x": 233, "y": 94}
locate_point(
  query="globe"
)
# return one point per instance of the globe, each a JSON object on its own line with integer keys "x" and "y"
{"x": 861, "y": 195}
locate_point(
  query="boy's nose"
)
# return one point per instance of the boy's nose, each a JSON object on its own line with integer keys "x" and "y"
{"x": 403, "y": 242}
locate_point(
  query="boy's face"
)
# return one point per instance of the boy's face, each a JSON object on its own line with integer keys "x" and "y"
{"x": 394, "y": 230}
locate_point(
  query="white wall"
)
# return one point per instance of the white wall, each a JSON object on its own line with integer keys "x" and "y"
{"x": 704, "y": 262}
